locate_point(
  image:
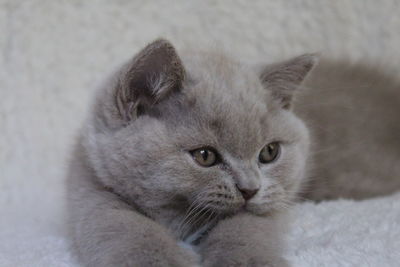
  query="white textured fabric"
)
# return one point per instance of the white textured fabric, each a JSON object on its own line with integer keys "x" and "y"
{"x": 53, "y": 53}
{"x": 339, "y": 233}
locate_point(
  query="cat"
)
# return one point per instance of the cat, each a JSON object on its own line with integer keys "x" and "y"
{"x": 194, "y": 159}
{"x": 194, "y": 149}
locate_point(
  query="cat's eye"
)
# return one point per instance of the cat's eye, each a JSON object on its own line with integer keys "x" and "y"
{"x": 269, "y": 153}
{"x": 205, "y": 157}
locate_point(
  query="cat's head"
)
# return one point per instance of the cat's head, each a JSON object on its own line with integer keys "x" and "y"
{"x": 200, "y": 130}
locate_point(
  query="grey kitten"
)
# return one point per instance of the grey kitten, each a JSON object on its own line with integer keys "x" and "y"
{"x": 191, "y": 150}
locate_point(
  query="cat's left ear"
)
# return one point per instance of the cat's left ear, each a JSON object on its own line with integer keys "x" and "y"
{"x": 149, "y": 78}
{"x": 282, "y": 79}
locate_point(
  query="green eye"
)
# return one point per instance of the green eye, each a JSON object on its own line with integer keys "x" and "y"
{"x": 269, "y": 153}
{"x": 206, "y": 157}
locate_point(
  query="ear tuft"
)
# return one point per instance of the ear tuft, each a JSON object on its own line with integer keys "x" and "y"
{"x": 282, "y": 79}
{"x": 151, "y": 76}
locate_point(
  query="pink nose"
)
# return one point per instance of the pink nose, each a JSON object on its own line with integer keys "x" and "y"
{"x": 247, "y": 193}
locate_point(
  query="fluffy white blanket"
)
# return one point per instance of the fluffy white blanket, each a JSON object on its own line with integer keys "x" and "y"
{"x": 54, "y": 52}
{"x": 336, "y": 233}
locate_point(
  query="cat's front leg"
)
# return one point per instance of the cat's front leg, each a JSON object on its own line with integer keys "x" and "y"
{"x": 245, "y": 240}
{"x": 121, "y": 237}
{"x": 107, "y": 232}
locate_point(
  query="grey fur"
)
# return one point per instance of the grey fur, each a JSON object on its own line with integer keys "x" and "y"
{"x": 353, "y": 112}
{"x": 136, "y": 194}
{"x": 135, "y": 191}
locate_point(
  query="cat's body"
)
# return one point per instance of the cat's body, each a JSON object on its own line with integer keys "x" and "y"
{"x": 353, "y": 112}
{"x": 205, "y": 152}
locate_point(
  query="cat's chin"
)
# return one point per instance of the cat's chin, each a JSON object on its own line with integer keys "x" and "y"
{"x": 255, "y": 209}
{"x": 248, "y": 207}
{"x": 259, "y": 210}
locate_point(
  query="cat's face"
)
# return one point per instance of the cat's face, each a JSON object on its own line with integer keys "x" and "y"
{"x": 221, "y": 139}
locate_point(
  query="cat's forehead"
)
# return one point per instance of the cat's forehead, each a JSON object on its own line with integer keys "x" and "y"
{"x": 228, "y": 100}
{"x": 220, "y": 82}
{"x": 219, "y": 70}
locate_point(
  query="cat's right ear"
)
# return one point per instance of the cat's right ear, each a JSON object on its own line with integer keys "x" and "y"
{"x": 150, "y": 77}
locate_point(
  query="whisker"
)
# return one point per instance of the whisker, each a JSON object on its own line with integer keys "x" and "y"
{"x": 191, "y": 222}
{"x": 191, "y": 213}
{"x": 195, "y": 205}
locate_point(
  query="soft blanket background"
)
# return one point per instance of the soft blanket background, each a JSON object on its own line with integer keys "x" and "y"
{"x": 53, "y": 53}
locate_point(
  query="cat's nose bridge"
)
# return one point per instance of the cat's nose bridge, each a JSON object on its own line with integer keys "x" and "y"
{"x": 248, "y": 179}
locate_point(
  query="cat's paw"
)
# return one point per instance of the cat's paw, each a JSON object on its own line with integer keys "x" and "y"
{"x": 243, "y": 261}
{"x": 245, "y": 240}
{"x": 191, "y": 252}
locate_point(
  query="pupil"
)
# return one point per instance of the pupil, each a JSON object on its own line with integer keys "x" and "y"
{"x": 204, "y": 154}
{"x": 270, "y": 149}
